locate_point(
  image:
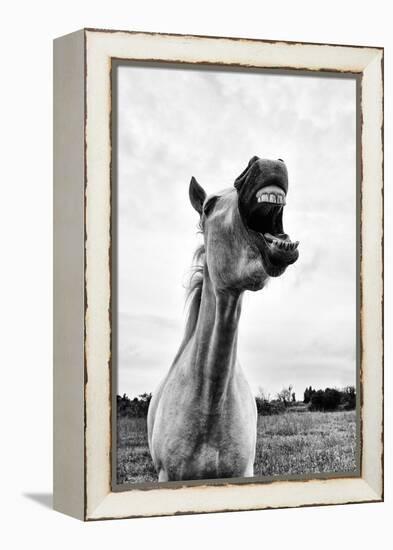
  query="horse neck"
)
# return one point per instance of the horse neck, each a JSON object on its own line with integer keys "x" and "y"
{"x": 215, "y": 344}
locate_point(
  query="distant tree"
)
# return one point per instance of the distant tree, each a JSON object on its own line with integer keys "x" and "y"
{"x": 267, "y": 406}
{"x": 285, "y": 395}
{"x": 348, "y": 398}
{"x": 293, "y": 397}
{"x": 263, "y": 395}
{"x": 308, "y": 394}
{"x": 262, "y": 402}
{"x": 332, "y": 399}
{"x": 326, "y": 400}
{"x": 136, "y": 407}
{"x": 144, "y": 402}
{"x": 317, "y": 400}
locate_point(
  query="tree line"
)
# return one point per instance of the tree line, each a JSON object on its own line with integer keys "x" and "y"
{"x": 138, "y": 406}
{"x": 329, "y": 399}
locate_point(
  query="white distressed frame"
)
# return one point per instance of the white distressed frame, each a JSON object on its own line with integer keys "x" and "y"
{"x": 99, "y": 502}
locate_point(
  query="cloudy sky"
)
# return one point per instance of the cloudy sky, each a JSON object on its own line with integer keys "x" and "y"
{"x": 175, "y": 123}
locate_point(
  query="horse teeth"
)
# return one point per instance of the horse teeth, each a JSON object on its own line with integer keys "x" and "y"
{"x": 270, "y": 197}
{"x": 283, "y": 245}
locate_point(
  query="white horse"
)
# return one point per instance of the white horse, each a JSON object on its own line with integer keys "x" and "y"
{"x": 202, "y": 419}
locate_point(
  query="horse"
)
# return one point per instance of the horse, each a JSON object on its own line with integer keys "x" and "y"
{"x": 202, "y": 419}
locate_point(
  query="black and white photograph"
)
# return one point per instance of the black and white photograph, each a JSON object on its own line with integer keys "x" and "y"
{"x": 235, "y": 269}
{"x": 196, "y": 275}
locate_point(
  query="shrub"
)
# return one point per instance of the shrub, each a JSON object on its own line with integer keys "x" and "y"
{"x": 327, "y": 400}
{"x": 331, "y": 399}
{"x": 308, "y": 392}
{"x": 267, "y": 408}
{"x": 136, "y": 407}
{"x": 348, "y": 398}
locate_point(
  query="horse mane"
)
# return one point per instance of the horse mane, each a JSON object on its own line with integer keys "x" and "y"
{"x": 193, "y": 297}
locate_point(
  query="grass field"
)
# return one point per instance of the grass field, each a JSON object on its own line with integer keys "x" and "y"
{"x": 291, "y": 443}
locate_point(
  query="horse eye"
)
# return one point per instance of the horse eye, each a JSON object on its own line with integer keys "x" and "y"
{"x": 208, "y": 207}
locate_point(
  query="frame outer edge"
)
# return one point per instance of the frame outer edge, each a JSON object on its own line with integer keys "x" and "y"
{"x": 68, "y": 271}
{"x": 372, "y": 274}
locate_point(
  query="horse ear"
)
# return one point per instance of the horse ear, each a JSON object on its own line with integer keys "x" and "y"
{"x": 197, "y": 195}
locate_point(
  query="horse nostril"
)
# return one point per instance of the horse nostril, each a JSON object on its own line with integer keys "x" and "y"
{"x": 281, "y": 160}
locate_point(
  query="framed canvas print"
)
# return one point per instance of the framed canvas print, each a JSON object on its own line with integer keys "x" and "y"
{"x": 218, "y": 271}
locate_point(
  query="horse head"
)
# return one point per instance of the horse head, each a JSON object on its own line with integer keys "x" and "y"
{"x": 245, "y": 242}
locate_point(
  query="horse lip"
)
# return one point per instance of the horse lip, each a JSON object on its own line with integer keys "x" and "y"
{"x": 261, "y": 181}
{"x": 265, "y": 184}
{"x": 281, "y": 254}
{"x": 275, "y": 260}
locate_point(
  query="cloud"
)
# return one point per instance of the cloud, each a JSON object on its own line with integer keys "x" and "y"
{"x": 173, "y": 124}
{"x": 147, "y": 344}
